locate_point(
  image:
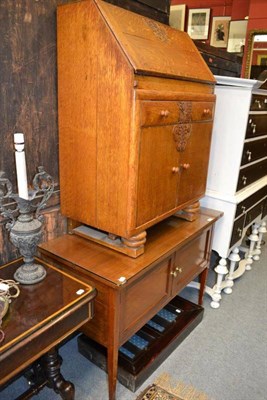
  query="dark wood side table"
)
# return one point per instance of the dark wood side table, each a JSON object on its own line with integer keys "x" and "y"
{"x": 131, "y": 291}
{"x": 40, "y": 318}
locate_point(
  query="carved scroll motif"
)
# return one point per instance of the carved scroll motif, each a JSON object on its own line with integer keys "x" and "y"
{"x": 181, "y": 134}
{"x": 157, "y": 29}
{"x": 182, "y": 131}
{"x": 185, "y": 111}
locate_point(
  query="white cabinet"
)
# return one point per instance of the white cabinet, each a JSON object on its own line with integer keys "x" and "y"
{"x": 237, "y": 180}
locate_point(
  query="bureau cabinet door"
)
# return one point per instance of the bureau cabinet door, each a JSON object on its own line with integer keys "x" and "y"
{"x": 158, "y": 173}
{"x": 189, "y": 261}
{"x": 194, "y": 163}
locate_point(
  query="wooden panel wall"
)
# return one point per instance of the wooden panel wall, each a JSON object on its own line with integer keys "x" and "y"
{"x": 28, "y": 99}
{"x": 28, "y": 94}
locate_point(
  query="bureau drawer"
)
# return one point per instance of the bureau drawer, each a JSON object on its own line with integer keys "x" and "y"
{"x": 173, "y": 112}
{"x": 254, "y": 151}
{"x": 258, "y": 102}
{"x": 237, "y": 230}
{"x": 202, "y": 111}
{"x": 251, "y": 174}
{"x": 246, "y": 204}
{"x": 159, "y": 113}
{"x": 257, "y": 125}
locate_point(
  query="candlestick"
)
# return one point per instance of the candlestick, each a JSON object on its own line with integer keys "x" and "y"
{"x": 21, "y": 166}
{"x": 25, "y": 222}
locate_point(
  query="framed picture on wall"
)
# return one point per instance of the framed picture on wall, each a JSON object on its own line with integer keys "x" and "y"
{"x": 262, "y": 59}
{"x": 177, "y": 16}
{"x": 198, "y": 23}
{"x": 219, "y": 31}
{"x": 237, "y": 36}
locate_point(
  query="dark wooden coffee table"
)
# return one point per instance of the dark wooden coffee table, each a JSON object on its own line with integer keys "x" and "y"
{"x": 41, "y": 317}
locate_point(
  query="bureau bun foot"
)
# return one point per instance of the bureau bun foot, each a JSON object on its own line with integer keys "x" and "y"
{"x": 189, "y": 213}
{"x": 133, "y": 246}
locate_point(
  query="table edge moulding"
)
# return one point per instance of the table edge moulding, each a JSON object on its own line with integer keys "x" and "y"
{"x": 149, "y": 146}
{"x": 177, "y": 252}
{"x": 238, "y": 146}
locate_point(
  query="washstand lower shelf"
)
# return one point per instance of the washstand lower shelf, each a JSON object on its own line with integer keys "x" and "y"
{"x": 141, "y": 355}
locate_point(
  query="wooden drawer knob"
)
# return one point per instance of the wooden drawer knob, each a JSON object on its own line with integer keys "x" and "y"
{"x": 164, "y": 113}
{"x": 185, "y": 166}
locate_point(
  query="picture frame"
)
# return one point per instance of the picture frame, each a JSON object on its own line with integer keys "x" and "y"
{"x": 262, "y": 59}
{"x": 237, "y": 36}
{"x": 177, "y": 16}
{"x": 220, "y": 31}
{"x": 198, "y": 23}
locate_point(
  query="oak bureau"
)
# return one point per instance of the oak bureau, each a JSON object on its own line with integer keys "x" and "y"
{"x": 136, "y": 104}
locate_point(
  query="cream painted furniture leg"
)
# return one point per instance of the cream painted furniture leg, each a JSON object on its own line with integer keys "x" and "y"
{"x": 237, "y": 266}
{"x": 234, "y": 259}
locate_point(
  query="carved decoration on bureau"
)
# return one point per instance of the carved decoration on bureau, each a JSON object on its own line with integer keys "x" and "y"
{"x": 157, "y": 29}
{"x": 185, "y": 108}
{"x": 181, "y": 135}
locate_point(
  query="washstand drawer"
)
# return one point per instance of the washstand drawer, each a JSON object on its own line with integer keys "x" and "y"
{"x": 258, "y": 102}
{"x": 246, "y": 204}
{"x": 257, "y": 125}
{"x": 251, "y": 174}
{"x": 237, "y": 230}
{"x": 202, "y": 111}
{"x": 254, "y": 150}
{"x": 159, "y": 113}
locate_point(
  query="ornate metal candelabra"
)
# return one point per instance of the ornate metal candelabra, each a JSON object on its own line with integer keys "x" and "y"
{"x": 25, "y": 222}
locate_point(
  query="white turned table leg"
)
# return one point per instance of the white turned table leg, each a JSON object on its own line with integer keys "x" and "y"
{"x": 234, "y": 259}
{"x": 221, "y": 271}
{"x": 253, "y": 239}
{"x": 257, "y": 250}
{"x": 261, "y": 230}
